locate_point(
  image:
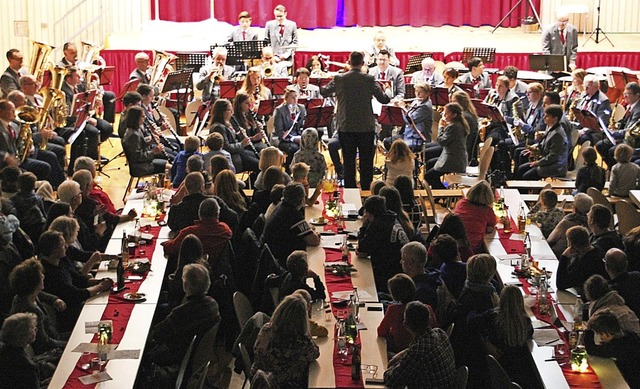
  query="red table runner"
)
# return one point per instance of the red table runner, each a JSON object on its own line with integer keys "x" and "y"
{"x": 510, "y": 246}
{"x": 335, "y": 283}
{"x": 118, "y": 309}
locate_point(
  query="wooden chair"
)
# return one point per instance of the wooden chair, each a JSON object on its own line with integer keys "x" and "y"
{"x": 571, "y": 175}
{"x": 499, "y": 378}
{"x": 462, "y": 374}
{"x": 247, "y": 363}
{"x": 457, "y": 179}
{"x": 242, "y": 307}
{"x": 475, "y": 170}
{"x": 599, "y": 198}
{"x": 131, "y": 178}
{"x": 628, "y": 217}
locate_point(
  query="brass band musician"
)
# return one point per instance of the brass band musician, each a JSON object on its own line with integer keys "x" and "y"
{"x": 211, "y": 74}
{"x": 594, "y": 100}
{"x": 141, "y": 72}
{"x": 289, "y": 124}
{"x": 420, "y": 114}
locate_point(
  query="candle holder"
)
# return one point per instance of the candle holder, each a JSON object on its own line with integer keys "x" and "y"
{"x": 579, "y": 359}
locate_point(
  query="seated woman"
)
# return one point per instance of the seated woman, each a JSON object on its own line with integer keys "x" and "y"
{"x": 552, "y": 149}
{"x": 310, "y": 155}
{"x": 17, "y": 368}
{"x": 190, "y": 252}
{"x": 245, "y": 124}
{"x": 284, "y": 346}
{"x": 469, "y": 112}
{"x": 420, "y": 114}
{"x": 404, "y": 185}
{"x": 399, "y": 161}
{"x": 453, "y": 226}
{"x": 27, "y": 281}
{"x": 143, "y": 158}
{"x": 29, "y": 207}
{"x": 508, "y": 330}
{"x": 545, "y": 213}
{"x": 226, "y": 187}
{"x": 270, "y": 156}
{"x": 557, "y": 239}
{"x": 394, "y": 204}
{"x": 476, "y": 212}
{"x": 244, "y": 159}
{"x": 452, "y": 136}
{"x": 253, "y": 85}
{"x": 289, "y": 124}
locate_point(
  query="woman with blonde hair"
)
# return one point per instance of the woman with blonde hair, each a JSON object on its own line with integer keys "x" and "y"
{"x": 453, "y": 131}
{"x": 469, "y": 112}
{"x": 284, "y": 346}
{"x": 270, "y": 156}
{"x": 253, "y": 85}
{"x": 399, "y": 161}
{"x": 476, "y": 212}
{"x": 226, "y": 187}
{"x": 507, "y": 330}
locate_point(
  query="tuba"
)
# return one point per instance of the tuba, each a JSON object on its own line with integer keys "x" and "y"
{"x": 161, "y": 61}
{"x": 26, "y": 116}
{"x": 90, "y": 61}
{"x": 54, "y": 98}
{"x": 39, "y": 56}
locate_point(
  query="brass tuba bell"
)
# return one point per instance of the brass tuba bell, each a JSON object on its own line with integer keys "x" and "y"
{"x": 39, "y": 55}
{"x": 26, "y": 116}
{"x": 632, "y": 136}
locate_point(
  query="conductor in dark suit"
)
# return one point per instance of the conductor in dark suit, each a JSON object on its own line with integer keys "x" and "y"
{"x": 561, "y": 39}
{"x": 281, "y": 32}
{"x": 354, "y": 118}
{"x": 630, "y": 119}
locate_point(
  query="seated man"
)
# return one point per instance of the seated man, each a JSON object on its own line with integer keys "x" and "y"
{"x": 269, "y": 61}
{"x": 287, "y": 230}
{"x": 579, "y": 261}
{"x": 129, "y": 100}
{"x": 185, "y": 213}
{"x": 296, "y": 277}
{"x": 606, "y": 339}
{"x": 142, "y": 66}
{"x": 428, "y": 75}
{"x": 379, "y": 44}
{"x": 476, "y": 76}
{"x": 598, "y": 103}
{"x": 381, "y": 237}
{"x": 213, "y": 233}
{"x": 626, "y": 283}
{"x": 429, "y": 360}
{"x": 196, "y": 316}
{"x": 602, "y": 237}
{"x": 97, "y": 193}
{"x": 302, "y": 86}
{"x": 414, "y": 261}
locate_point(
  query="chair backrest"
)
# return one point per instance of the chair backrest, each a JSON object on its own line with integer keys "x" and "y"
{"x": 258, "y": 225}
{"x": 185, "y": 363}
{"x": 485, "y": 147}
{"x": 599, "y": 198}
{"x": 628, "y": 217}
{"x": 243, "y": 308}
{"x": 263, "y": 380}
{"x": 462, "y": 373}
{"x": 450, "y": 329}
{"x": 484, "y": 163}
{"x": 205, "y": 351}
{"x": 499, "y": 378}
{"x": 579, "y": 159}
{"x": 202, "y": 374}
{"x": 574, "y": 139}
{"x": 246, "y": 361}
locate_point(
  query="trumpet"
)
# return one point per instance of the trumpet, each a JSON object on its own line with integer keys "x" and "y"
{"x": 267, "y": 71}
{"x": 216, "y": 74}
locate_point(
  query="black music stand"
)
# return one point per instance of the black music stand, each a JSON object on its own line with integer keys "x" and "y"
{"x": 276, "y": 85}
{"x": 439, "y": 96}
{"x": 190, "y": 60}
{"x": 311, "y": 103}
{"x": 266, "y": 107}
{"x": 415, "y": 62}
{"x": 239, "y": 52}
{"x": 516, "y": 5}
{"x": 321, "y": 82}
{"x": 318, "y": 117}
{"x": 547, "y": 62}
{"x": 487, "y": 54}
{"x": 176, "y": 81}
{"x": 409, "y": 91}
{"x": 228, "y": 88}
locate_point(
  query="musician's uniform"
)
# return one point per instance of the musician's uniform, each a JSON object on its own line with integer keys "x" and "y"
{"x": 277, "y": 40}
{"x": 498, "y": 131}
{"x": 283, "y": 121}
{"x": 422, "y": 114}
{"x": 600, "y": 106}
{"x": 373, "y": 54}
{"x": 397, "y": 92}
{"x": 630, "y": 119}
{"x": 436, "y": 79}
{"x": 310, "y": 92}
{"x": 238, "y": 34}
{"x": 138, "y": 74}
{"x": 483, "y": 81}
{"x": 10, "y": 80}
{"x": 211, "y": 91}
{"x": 56, "y": 144}
{"x": 173, "y": 146}
{"x": 553, "y": 163}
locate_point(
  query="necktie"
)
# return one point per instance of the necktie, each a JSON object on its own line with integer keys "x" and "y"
{"x": 627, "y": 113}
{"x": 562, "y": 38}
{"x": 293, "y": 116}
{"x": 244, "y": 35}
{"x": 382, "y": 75}
{"x": 11, "y": 132}
{"x": 281, "y": 29}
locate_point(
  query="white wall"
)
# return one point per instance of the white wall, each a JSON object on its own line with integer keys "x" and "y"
{"x": 616, "y": 16}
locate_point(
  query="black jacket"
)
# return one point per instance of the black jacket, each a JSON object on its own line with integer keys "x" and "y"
{"x": 185, "y": 213}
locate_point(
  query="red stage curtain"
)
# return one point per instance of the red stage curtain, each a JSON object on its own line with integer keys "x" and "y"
{"x": 343, "y": 56}
{"x": 182, "y": 11}
{"x": 124, "y": 62}
{"x": 434, "y": 13}
{"x": 307, "y": 14}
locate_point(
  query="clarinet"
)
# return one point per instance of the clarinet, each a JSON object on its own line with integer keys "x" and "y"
{"x": 158, "y": 139}
{"x": 162, "y": 116}
{"x": 243, "y": 132}
{"x": 260, "y": 123}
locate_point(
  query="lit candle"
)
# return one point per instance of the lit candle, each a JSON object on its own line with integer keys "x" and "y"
{"x": 579, "y": 359}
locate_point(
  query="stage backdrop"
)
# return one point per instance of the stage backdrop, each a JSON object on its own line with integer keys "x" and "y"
{"x": 330, "y": 13}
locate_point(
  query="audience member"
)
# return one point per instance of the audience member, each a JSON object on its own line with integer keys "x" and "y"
{"x": 90, "y": 239}
{"x": 626, "y": 283}
{"x": 296, "y": 277}
{"x": 190, "y": 252}
{"x": 215, "y": 142}
{"x": 399, "y": 161}
{"x": 426, "y": 279}
{"x": 9, "y": 258}
{"x": 429, "y": 361}
{"x": 310, "y": 155}
{"x": 545, "y": 213}
{"x": 579, "y": 261}
{"x": 589, "y": 175}
{"x": 557, "y": 239}
{"x": 404, "y": 185}
{"x": 179, "y": 167}
{"x": 453, "y": 226}
{"x": 453, "y": 271}
{"x": 476, "y": 212}
{"x": 17, "y": 367}
{"x": 632, "y": 248}
{"x": 624, "y": 174}
{"x": 226, "y": 187}
{"x": 394, "y": 204}
{"x": 599, "y": 220}
{"x": 29, "y": 206}
{"x": 194, "y": 164}
{"x": 97, "y": 193}
{"x": 602, "y": 297}
{"x": 270, "y": 156}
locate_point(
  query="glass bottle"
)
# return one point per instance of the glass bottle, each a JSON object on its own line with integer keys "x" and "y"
{"x": 352, "y": 329}
{"x": 578, "y": 309}
{"x": 103, "y": 345}
{"x": 345, "y": 249}
{"x": 356, "y": 364}
{"x": 522, "y": 220}
{"x": 506, "y": 220}
{"x": 124, "y": 247}
{"x": 356, "y": 304}
{"x": 136, "y": 232}
{"x": 543, "y": 293}
{"x": 120, "y": 275}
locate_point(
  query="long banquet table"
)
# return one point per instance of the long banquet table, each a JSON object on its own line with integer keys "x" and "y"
{"x": 374, "y": 349}
{"x": 549, "y": 370}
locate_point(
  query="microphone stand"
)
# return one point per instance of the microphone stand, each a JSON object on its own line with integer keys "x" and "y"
{"x": 598, "y": 31}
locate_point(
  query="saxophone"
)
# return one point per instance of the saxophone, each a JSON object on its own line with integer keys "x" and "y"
{"x": 517, "y": 130}
{"x": 26, "y": 116}
{"x": 571, "y": 115}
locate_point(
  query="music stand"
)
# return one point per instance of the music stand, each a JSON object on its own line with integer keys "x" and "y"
{"x": 129, "y": 86}
{"x": 588, "y": 119}
{"x": 439, "y": 96}
{"x": 176, "y": 81}
{"x": 318, "y": 117}
{"x": 190, "y": 60}
{"x": 276, "y": 85}
{"x": 547, "y": 62}
{"x": 228, "y": 88}
{"x": 415, "y": 62}
{"x": 266, "y": 107}
{"x": 391, "y": 115}
{"x": 106, "y": 74}
{"x": 311, "y": 103}
{"x": 239, "y": 52}
{"x": 516, "y": 5}
{"x": 409, "y": 91}
{"x": 321, "y": 82}
{"x": 487, "y": 54}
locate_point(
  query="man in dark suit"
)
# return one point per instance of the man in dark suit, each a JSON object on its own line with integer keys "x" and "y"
{"x": 354, "y": 118}
{"x": 630, "y": 119}
{"x": 142, "y": 65}
{"x": 9, "y": 134}
{"x": 280, "y": 33}
{"x": 243, "y": 32}
{"x": 10, "y": 79}
{"x": 561, "y": 39}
